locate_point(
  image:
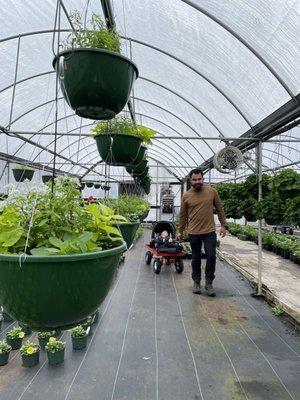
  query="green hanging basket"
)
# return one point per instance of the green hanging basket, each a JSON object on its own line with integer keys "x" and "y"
{"x": 97, "y": 185}
{"x": 89, "y": 184}
{"x": 118, "y": 149}
{"x": 96, "y": 83}
{"x": 141, "y": 155}
{"x": 21, "y": 174}
{"x": 47, "y": 178}
{"x": 128, "y": 231}
{"x": 56, "y": 292}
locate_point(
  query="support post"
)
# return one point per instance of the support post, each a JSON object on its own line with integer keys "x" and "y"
{"x": 157, "y": 197}
{"x": 259, "y": 258}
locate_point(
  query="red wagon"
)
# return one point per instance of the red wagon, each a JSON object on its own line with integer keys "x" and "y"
{"x": 172, "y": 255}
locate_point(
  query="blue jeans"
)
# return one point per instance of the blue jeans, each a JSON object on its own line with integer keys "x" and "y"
{"x": 210, "y": 242}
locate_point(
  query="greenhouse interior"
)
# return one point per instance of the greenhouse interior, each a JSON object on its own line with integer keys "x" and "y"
{"x": 150, "y": 200}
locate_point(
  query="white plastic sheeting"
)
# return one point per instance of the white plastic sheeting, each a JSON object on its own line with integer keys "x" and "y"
{"x": 200, "y": 75}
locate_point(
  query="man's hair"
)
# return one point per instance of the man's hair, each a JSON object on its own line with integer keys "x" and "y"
{"x": 196, "y": 171}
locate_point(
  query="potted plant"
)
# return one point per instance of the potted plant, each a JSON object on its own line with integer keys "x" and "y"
{"x": 118, "y": 141}
{"x": 5, "y": 350}
{"x": 96, "y": 80}
{"x": 26, "y": 329}
{"x": 97, "y": 185}
{"x": 30, "y": 353}
{"x": 79, "y": 337}
{"x": 105, "y": 187}
{"x": 22, "y": 172}
{"x": 87, "y": 325}
{"x": 14, "y": 338}
{"x": 55, "y": 351}
{"x": 67, "y": 244}
{"x": 89, "y": 184}
{"x": 43, "y": 338}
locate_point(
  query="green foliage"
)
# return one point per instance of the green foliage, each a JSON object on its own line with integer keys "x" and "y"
{"x": 4, "y": 347}
{"x": 54, "y": 345}
{"x": 15, "y": 333}
{"x": 123, "y": 126}
{"x": 29, "y": 348}
{"x": 131, "y": 207}
{"x": 78, "y": 331}
{"x": 273, "y": 209}
{"x": 287, "y": 184}
{"x": 292, "y": 211}
{"x": 231, "y": 195}
{"x": 60, "y": 222}
{"x": 97, "y": 35}
{"x": 277, "y": 310}
{"x": 45, "y": 335}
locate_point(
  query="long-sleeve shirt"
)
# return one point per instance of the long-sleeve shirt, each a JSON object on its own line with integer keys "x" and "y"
{"x": 196, "y": 211}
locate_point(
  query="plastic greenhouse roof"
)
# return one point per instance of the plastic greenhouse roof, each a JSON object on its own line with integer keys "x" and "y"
{"x": 207, "y": 68}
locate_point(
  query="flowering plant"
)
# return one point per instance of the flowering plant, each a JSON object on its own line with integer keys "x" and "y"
{"x": 15, "y": 333}
{"x": 4, "y": 347}
{"x": 54, "y": 345}
{"x": 29, "y": 348}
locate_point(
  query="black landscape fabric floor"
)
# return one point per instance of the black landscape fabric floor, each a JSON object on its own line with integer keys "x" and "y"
{"x": 156, "y": 340}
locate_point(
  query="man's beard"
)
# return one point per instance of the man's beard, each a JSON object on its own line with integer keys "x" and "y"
{"x": 197, "y": 186}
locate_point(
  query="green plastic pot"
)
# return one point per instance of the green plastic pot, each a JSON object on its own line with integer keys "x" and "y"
{"x": 96, "y": 83}
{"x": 97, "y": 185}
{"x": 56, "y": 292}
{"x": 56, "y": 358}
{"x": 4, "y": 358}
{"x": 21, "y": 174}
{"x": 128, "y": 231}
{"x": 30, "y": 360}
{"x": 79, "y": 343}
{"x": 14, "y": 343}
{"x": 141, "y": 155}
{"x": 89, "y": 184}
{"x": 7, "y": 317}
{"x": 144, "y": 215}
{"x": 47, "y": 178}
{"x": 43, "y": 342}
{"x": 118, "y": 149}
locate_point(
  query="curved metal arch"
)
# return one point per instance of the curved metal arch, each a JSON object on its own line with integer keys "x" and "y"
{"x": 180, "y": 119}
{"x": 140, "y": 77}
{"x": 163, "y": 123}
{"x": 281, "y": 155}
{"x": 159, "y": 147}
{"x": 243, "y": 41}
{"x": 163, "y": 156}
{"x": 154, "y": 48}
{"x": 71, "y": 115}
{"x": 92, "y": 144}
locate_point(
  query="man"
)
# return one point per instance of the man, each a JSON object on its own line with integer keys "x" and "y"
{"x": 196, "y": 213}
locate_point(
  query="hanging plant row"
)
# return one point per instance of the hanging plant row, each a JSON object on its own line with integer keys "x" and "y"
{"x": 22, "y": 172}
{"x": 280, "y": 202}
{"x": 95, "y": 79}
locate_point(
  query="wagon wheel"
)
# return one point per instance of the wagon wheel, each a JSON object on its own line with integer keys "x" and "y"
{"x": 148, "y": 257}
{"x": 179, "y": 265}
{"x": 157, "y": 265}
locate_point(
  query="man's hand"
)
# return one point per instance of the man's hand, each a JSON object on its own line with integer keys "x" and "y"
{"x": 179, "y": 237}
{"x": 222, "y": 231}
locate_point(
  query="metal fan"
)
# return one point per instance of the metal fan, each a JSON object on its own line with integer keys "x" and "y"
{"x": 228, "y": 159}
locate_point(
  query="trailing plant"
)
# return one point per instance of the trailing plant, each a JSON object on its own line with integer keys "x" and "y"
{"x": 287, "y": 184}
{"x": 54, "y": 345}
{"x": 123, "y": 126}
{"x": 292, "y": 211}
{"x": 59, "y": 222}
{"x": 94, "y": 35}
{"x": 29, "y": 348}
{"x": 22, "y": 167}
{"x": 4, "y": 347}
